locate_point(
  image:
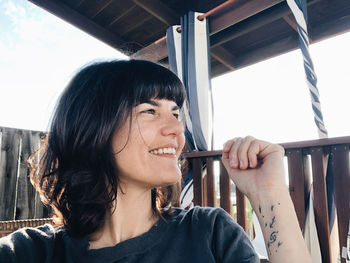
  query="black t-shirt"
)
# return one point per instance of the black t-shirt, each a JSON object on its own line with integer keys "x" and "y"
{"x": 198, "y": 235}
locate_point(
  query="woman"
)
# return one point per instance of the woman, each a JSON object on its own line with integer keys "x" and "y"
{"x": 110, "y": 171}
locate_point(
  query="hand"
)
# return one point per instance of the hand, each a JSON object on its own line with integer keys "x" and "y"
{"x": 254, "y": 165}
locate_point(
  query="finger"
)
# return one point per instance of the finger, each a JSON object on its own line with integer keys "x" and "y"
{"x": 233, "y": 158}
{"x": 227, "y": 147}
{"x": 266, "y": 148}
{"x": 243, "y": 152}
{"x": 253, "y": 153}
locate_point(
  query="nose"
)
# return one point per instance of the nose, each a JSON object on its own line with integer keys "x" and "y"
{"x": 172, "y": 126}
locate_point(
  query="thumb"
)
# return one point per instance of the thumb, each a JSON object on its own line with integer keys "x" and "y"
{"x": 226, "y": 162}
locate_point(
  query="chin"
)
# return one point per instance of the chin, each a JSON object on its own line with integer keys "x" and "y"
{"x": 170, "y": 179}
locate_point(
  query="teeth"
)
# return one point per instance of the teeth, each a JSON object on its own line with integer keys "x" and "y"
{"x": 164, "y": 150}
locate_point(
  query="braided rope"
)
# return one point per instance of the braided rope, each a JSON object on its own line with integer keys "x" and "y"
{"x": 301, "y": 16}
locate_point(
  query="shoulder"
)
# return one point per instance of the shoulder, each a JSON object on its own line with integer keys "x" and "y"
{"x": 207, "y": 218}
{"x": 208, "y": 214}
{"x": 28, "y": 244}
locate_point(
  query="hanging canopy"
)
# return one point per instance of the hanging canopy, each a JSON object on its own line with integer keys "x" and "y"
{"x": 242, "y": 33}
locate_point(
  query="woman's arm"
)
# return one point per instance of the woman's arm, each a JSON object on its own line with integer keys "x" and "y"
{"x": 256, "y": 167}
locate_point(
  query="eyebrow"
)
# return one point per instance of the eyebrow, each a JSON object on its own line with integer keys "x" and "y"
{"x": 156, "y": 104}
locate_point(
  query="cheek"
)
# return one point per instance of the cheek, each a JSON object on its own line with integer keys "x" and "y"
{"x": 182, "y": 141}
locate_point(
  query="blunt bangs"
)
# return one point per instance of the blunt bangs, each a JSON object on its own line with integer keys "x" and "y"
{"x": 155, "y": 82}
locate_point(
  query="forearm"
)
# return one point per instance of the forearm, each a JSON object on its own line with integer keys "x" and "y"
{"x": 279, "y": 224}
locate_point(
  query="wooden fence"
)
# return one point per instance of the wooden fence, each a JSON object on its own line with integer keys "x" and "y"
{"x": 306, "y": 161}
{"x": 18, "y": 199}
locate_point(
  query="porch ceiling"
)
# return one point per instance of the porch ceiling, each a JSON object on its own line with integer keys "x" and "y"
{"x": 245, "y": 32}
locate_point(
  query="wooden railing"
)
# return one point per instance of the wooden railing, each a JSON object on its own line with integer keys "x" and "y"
{"x": 307, "y": 162}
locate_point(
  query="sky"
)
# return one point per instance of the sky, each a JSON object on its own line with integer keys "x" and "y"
{"x": 270, "y": 100}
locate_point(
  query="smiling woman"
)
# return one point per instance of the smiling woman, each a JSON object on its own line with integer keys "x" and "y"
{"x": 102, "y": 120}
{"x": 109, "y": 169}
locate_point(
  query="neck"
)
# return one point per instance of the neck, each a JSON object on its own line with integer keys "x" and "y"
{"x": 132, "y": 216}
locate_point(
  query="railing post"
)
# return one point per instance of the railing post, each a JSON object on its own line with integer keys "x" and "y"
{"x": 197, "y": 182}
{"x": 241, "y": 210}
{"x": 299, "y": 182}
{"x": 319, "y": 164}
{"x": 211, "y": 198}
{"x": 225, "y": 189}
{"x": 342, "y": 193}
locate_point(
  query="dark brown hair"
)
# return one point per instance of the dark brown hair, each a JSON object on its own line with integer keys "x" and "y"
{"x": 77, "y": 174}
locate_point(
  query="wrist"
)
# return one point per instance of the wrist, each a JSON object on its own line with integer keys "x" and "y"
{"x": 269, "y": 196}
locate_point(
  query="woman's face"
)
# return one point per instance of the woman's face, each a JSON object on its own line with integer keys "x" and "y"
{"x": 147, "y": 153}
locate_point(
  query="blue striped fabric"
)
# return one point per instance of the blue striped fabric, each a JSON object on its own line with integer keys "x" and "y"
{"x": 189, "y": 58}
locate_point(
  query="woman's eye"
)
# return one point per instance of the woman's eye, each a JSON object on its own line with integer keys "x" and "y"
{"x": 149, "y": 111}
{"x": 177, "y": 115}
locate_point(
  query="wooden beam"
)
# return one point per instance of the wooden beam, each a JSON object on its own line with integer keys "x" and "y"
{"x": 103, "y": 7}
{"x": 270, "y": 50}
{"x": 153, "y": 52}
{"x": 234, "y": 15}
{"x": 121, "y": 16}
{"x": 293, "y": 24}
{"x": 167, "y": 16}
{"x": 278, "y": 11}
{"x": 223, "y": 56}
{"x": 291, "y": 21}
{"x": 60, "y": 9}
{"x": 157, "y": 9}
{"x": 214, "y": 24}
{"x": 331, "y": 28}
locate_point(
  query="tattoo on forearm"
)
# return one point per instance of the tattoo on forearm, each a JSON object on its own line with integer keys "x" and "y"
{"x": 272, "y": 222}
{"x": 273, "y": 242}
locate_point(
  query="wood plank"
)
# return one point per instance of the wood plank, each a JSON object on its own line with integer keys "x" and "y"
{"x": 299, "y": 182}
{"x": 241, "y": 210}
{"x": 197, "y": 182}
{"x": 8, "y": 172}
{"x": 123, "y": 24}
{"x": 25, "y": 202}
{"x": 317, "y": 143}
{"x": 157, "y": 9}
{"x": 211, "y": 196}
{"x": 259, "y": 20}
{"x": 286, "y": 146}
{"x": 223, "y": 56}
{"x": 66, "y": 13}
{"x": 102, "y": 6}
{"x": 225, "y": 189}
{"x": 319, "y": 164}
{"x": 161, "y": 50}
{"x": 154, "y": 52}
{"x": 234, "y": 15}
{"x": 342, "y": 194}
